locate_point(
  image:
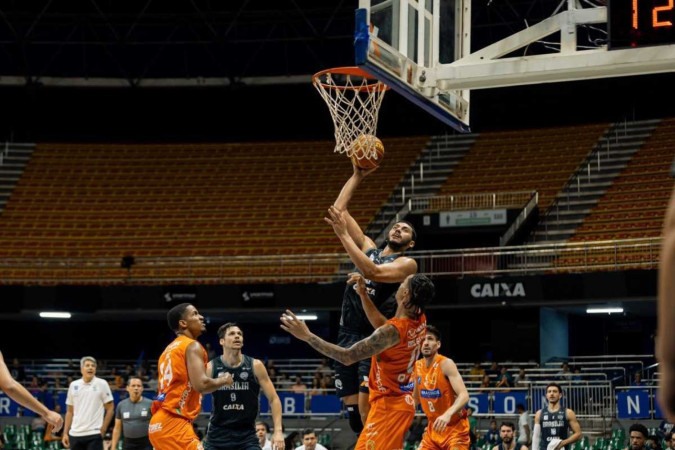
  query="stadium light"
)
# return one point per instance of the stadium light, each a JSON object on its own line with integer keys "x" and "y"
{"x": 605, "y": 310}
{"x": 307, "y": 316}
{"x": 55, "y": 315}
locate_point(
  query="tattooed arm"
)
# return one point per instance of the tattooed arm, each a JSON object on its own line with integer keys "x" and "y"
{"x": 383, "y": 338}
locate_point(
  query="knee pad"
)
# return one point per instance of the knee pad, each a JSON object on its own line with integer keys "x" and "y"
{"x": 354, "y": 418}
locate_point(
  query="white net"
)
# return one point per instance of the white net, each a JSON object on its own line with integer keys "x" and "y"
{"x": 354, "y": 101}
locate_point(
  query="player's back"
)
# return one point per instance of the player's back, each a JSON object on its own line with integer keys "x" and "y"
{"x": 390, "y": 370}
{"x": 175, "y": 393}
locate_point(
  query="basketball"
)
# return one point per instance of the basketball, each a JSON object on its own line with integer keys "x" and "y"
{"x": 367, "y": 151}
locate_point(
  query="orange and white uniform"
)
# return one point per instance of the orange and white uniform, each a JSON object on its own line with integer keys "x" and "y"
{"x": 436, "y": 396}
{"x": 392, "y": 408}
{"x": 177, "y": 404}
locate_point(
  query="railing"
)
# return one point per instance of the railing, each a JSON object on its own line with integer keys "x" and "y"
{"x": 488, "y": 200}
{"x": 542, "y": 258}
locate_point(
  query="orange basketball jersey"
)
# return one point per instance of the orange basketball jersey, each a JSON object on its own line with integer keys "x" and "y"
{"x": 175, "y": 393}
{"x": 436, "y": 395}
{"x": 391, "y": 370}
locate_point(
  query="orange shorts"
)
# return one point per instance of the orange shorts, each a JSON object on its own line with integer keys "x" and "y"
{"x": 449, "y": 440}
{"x": 388, "y": 421}
{"x": 170, "y": 432}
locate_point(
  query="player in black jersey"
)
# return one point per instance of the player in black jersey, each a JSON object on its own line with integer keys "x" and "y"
{"x": 235, "y": 407}
{"x": 383, "y": 269}
{"x": 553, "y": 422}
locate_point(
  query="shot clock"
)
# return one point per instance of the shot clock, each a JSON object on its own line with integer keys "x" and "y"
{"x": 640, "y": 23}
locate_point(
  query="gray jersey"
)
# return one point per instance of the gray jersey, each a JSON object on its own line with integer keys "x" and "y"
{"x": 135, "y": 417}
{"x": 554, "y": 425}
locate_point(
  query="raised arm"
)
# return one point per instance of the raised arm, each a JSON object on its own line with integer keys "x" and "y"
{"x": 341, "y": 203}
{"x": 381, "y": 339}
{"x": 375, "y": 317}
{"x": 393, "y": 272}
{"x": 199, "y": 379}
{"x": 449, "y": 369}
{"x": 665, "y": 341}
{"x": 274, "y": 401}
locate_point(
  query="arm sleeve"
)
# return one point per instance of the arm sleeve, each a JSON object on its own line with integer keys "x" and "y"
{"x": 536, "y": 436}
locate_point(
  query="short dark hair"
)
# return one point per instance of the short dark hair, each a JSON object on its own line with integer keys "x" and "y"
{"x": 265, "y": 424}
{"x": 433, "y": 330}
{"x": 520, "y": 406}
{"x": 307, "y": 431}
{"x": 640, "y": 429}
{"x": 422, "y": 291}
{"x": 555, "y": 385}
{"x": 176, "y": 314}
{"x": 509, "y": 425}
{"x": 223, "y": 328}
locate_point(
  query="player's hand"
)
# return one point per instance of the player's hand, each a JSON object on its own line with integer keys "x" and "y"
{"x": 336, "y": 220}
{"x": 362, "y": 173}
{"x": 54, "y": 419}
{"x": 278, "y": 442}
{"x": 295, "y": 326}
{"x": 359, "y": 283}
{"x": 441, "y": 422}
{"x": 228, "y": 378}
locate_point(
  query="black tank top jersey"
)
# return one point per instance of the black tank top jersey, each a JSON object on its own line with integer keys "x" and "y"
{"x": 554, "y": 425}
{"x": 353, "y": 318}
{"x": 235, "y": 406}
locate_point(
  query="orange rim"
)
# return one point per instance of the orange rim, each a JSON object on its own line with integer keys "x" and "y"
{"x": 376, "y": 84}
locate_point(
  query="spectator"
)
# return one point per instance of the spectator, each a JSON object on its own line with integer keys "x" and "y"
{"x": 668, "y": 440}
{"x": 665, "y": 427}
{"x": 486, "y": 386}
{"x": 299, "y": 386}
{"x": 477, "y": 371}
{"x": 473, "y": 423}
{"x": 504, "y": 380}
{"x": 506, "y": 434}
{"x": 524, "y": 426}
{"x": 324, "y": 368}
{"x": 492, "y": 435}
{"x": 494, "y": 371}
{"x": 637, "y": 435}
{"x": 521, "y": 379}
{"x": 309, "y": 441}
{"x": 653, "y": 443}
{"x": 17, "y": 371}
{"x": 565, "y": 372}
{"x": 262, "y": 431}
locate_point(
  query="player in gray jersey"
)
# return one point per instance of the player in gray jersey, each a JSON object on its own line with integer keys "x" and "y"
{"x": 553, "y": 422}
{"x": 383, "y": 269}
{"x": 132, "y": 417}
{"x": 235, "y": 407}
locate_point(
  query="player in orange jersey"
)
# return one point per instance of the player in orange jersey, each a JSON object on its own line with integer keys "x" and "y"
{"x": 440, "y": 390}
{"x": 182, "y": 381}
{"x": 394, "y": 347}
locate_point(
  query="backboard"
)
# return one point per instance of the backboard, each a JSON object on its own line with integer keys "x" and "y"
{"x": 403, "y": 42}
{"x": 421, "y": 48}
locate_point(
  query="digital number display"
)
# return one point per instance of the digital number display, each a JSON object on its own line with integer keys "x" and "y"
{"x": 640, "y": 23}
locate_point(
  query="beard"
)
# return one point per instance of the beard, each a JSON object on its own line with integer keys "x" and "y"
{"x": 397, "y": 247}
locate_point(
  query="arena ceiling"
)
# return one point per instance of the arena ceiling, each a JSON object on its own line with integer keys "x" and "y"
{"x": 127, "y": 42}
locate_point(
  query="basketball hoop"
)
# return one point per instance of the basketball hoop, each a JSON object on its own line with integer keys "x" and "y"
{"x": 354, "y": 98}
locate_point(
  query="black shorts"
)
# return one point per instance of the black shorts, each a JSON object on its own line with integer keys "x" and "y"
{"x": 220, "y": 438}
{"x": 350, "y": 380}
